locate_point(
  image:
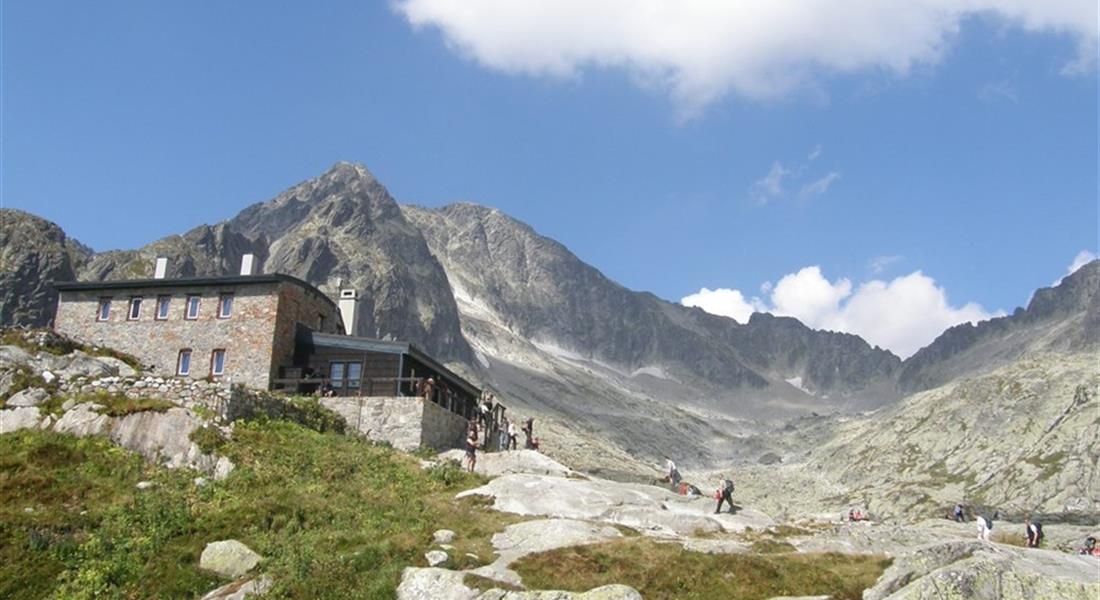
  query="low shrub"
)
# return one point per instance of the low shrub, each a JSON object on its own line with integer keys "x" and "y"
{"x": 209, "y": 439}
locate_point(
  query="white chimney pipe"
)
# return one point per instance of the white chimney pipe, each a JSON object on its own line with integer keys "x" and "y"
{"x": 246, "y": 264}
{"x": 349, "y": 310}
{"x": 161, "y": 269}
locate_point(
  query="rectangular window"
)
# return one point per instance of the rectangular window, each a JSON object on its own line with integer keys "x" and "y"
{"x": 191, "y": 310}
{"x": 183, "y": 364}
{"x": 225, "y": 306}
{"x": 321, "y": 323}
{"x": 135, "y": 309}
{"x": 346, "y": 374}
{"x": 104, "y": 312}
{"x": 217, "y": 362}
{"x": 354, "y": 371}
{"x": 163, "y": 303}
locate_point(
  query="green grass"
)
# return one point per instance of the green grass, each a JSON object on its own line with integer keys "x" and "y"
{"x": 665, "y": 570}
{"x": 120, "y": 405}
{"x": 334, "y": 516}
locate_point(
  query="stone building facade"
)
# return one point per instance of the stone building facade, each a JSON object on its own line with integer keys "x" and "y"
{"x": 238, "y": 329}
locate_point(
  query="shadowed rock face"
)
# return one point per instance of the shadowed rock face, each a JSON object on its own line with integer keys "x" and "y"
{"x": 539, "y": 290}
{"x": 35, "y": 253}
{"x": 205, "y": 251}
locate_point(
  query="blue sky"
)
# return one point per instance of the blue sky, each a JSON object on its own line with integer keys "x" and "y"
{"x": 959, "y": 145}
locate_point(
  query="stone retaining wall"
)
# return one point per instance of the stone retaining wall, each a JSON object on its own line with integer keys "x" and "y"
{"x": 405, "y": 422}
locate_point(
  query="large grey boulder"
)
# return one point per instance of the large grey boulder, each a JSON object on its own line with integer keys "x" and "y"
{"x": 14, "y": 419}
{"x": 81, "y": 364}
{"x": 163, "y": 436}
{"x": 228, "y": 558}
{"x": 14, "y": 357}
{"x": 495, "y": 464}
{"x": 28, "y": 397}
{"x": 634, "y": 505}
{"x": 83, "y": 420}
{"x": 240, "y": 590}
{"x": 983, "y": 571}
{"x": 433, "y": 584}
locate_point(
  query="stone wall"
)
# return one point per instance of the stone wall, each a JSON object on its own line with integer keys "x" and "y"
{"x": 212, "y": 397}
{"x": 246, "y": 336}
{"x": 299, "y": 305}
{"x": 405, "y": 422}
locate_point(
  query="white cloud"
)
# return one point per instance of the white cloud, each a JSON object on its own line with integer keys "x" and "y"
{"x": 816, "y": 152}
{"x": 1083, "y": 258}
{"x": 770, "y": 186}
{"x": 819, "y": 187}
{"x": 999, "y": 91}
{"x": 701, "y": 50}
{"x": 902, "y": 315}
{"x": 724, "y": 302}
{"x": 878, "y": 264}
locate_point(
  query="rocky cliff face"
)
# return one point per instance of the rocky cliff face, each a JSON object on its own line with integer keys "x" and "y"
{"x": 205, "y": 251}
{"x": 1063, "y": 318}
{"x": 344, "y": 226}
{"x": 502, "y": 271}
{"x": 35, "y": 253}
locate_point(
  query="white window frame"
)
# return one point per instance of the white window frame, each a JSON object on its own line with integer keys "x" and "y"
{"x": 135, "y": 302}
{"x": 187, "y": 307}
{"x": 214, "y": 371}
{"x": 103, "y": 310}
{"x": 179, "y": 362}
{"x": 166, "y": 303}
{"x": 223, "y": 301}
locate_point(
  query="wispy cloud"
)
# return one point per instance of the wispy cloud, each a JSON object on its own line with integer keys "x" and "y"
{"x": 999, "y": 91}
{"x": 879, "y": 264}
{"x": 814, "y": 154}
{"x": 770, "y": 187}
{"x": 820, "y": 186}
{"x": 1083, "y": 258}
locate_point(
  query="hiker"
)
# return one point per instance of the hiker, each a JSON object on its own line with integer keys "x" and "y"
{"x": 1090, "y": 548}
{"x": 427, "y": 389}
{"x": 1033, "y": 532}
{"x": 529, "y": 432}
{"x": 471, "y": 445}
{"x": 512, "y": 435}
{"x": 985, "y": 528}
{"x": 724, "y": 494}
{"x": 502, "y": 435}
{"x": 672, "y": 474}
{"x": 535, "y": 444}
{"x": 958, "y": 513}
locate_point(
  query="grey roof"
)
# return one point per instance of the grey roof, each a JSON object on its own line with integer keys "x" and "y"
{"x": 183, "y": 282}
{"x": 347, "y": 342}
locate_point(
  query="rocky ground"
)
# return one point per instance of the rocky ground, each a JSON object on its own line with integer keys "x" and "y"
{"x": 931, "y": 558}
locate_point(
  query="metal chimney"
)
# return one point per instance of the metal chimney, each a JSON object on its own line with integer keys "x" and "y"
{"x": 161, "y": 269}
{"x": 349, "y": 310}
{"x": 246, "y": 264}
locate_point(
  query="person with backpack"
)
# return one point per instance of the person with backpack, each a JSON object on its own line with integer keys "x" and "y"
{"x": 959, "y": 513}
{"x": 1033, "y": 532}
{"x": 985, "y": 528}
{"x": 725, "y": 494}
{"x": 672, "y": 474}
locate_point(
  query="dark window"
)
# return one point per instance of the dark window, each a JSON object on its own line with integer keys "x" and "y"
{"x": 217, "y": 362}
{"x": 225, "y": 306}
{"x": 321, "y": 323}
{"x": 104, "y": 312}
{"x": 191, "y": 311}
{"x": 183, "y": 364}
{"x": 163, "y": 303}
{"x": 135, "y": 309}
{"x": 345, "y": 374}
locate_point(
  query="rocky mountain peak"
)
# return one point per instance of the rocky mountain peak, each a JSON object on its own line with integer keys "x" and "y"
{"x": 34, "y": 253}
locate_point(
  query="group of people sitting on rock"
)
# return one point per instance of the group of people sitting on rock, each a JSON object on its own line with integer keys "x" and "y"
{"x": 856, "y": 515}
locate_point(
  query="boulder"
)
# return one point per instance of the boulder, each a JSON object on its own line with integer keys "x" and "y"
{"x": 443, "y": 536}
{"x": 119, "y": 366}
{"x": 239, "y": 590}
{"x": 495, "y": 464}
{"x": 163, "y": 436}
{"x": 228, "y": 558}
{"x": 83, "y": 420}
{"x": 79, "y": 364}
{"x": 7, "y": 380}
{"x": 14, "y": 357}
{"x": 987, "y": 572}
{"x": 436, "y": 558}
{"x": 14, "y": 419}
{"x": 433, "y": 583}
{"x": 28, "y": 397}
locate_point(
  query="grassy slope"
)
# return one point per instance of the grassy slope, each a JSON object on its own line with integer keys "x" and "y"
{"x": 335, "y": 517}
